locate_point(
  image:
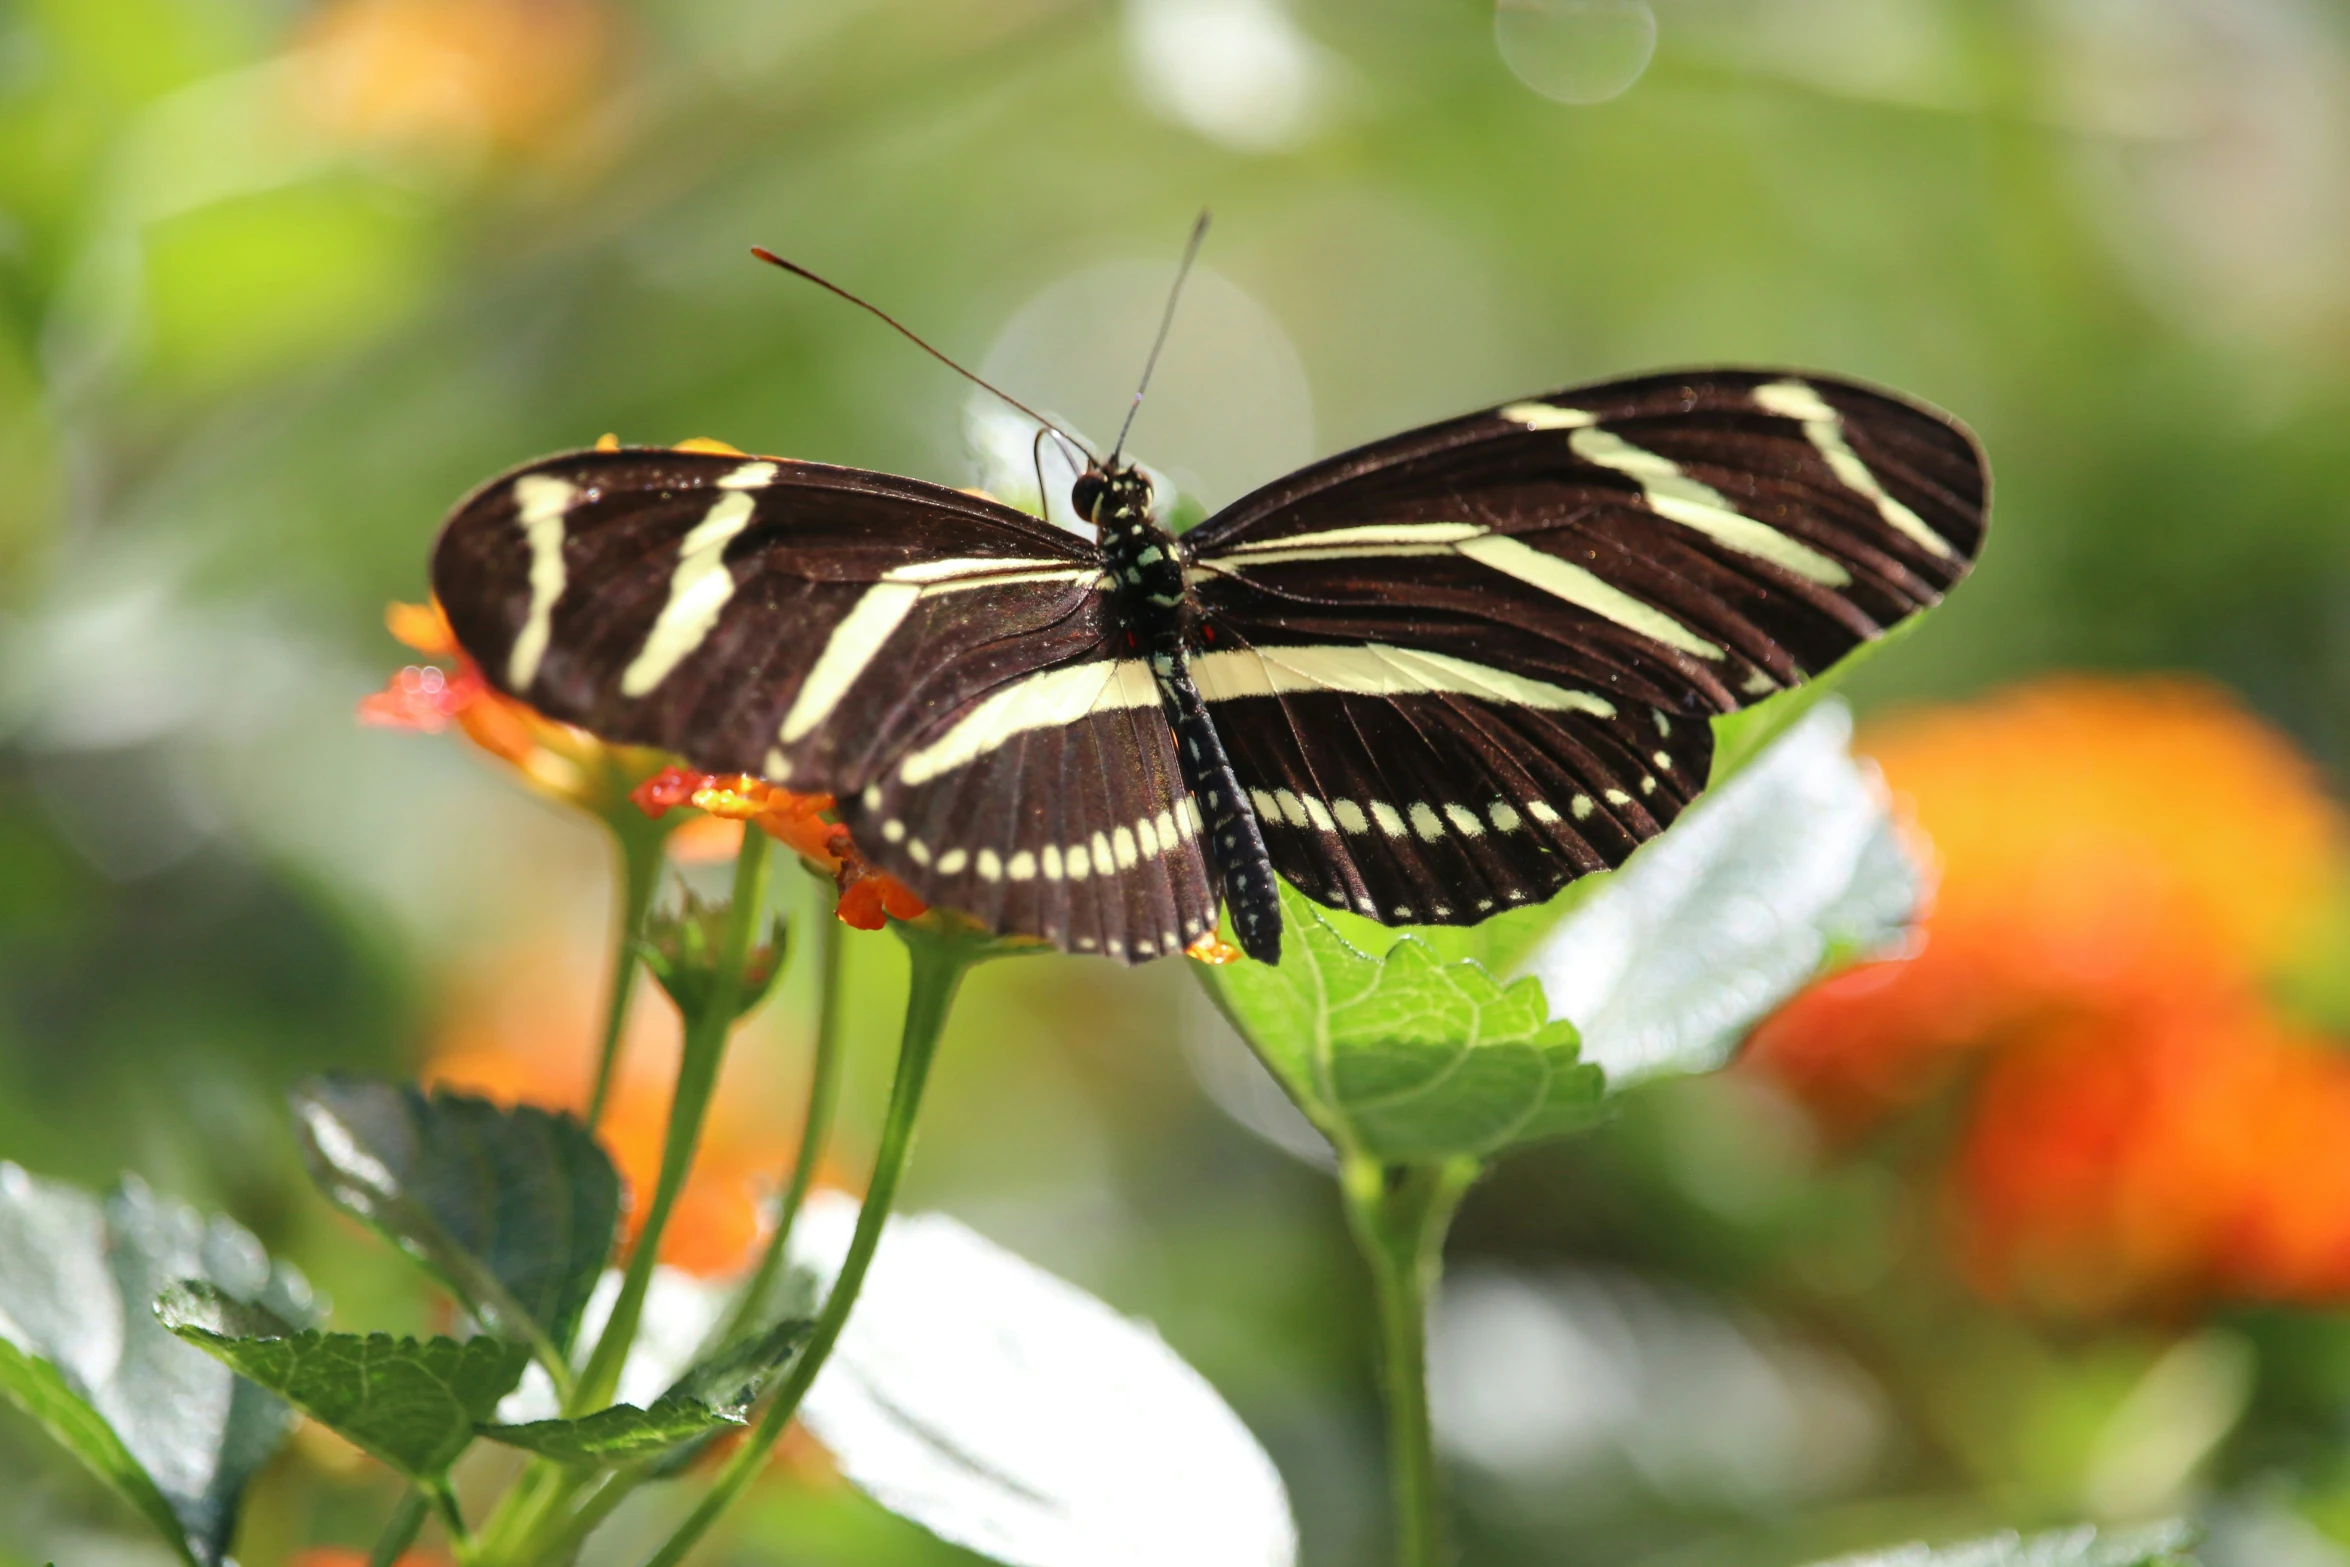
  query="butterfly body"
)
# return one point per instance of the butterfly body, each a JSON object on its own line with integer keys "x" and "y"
{"x": 1161, "y": 617}
{"x": 1428, "y": 680}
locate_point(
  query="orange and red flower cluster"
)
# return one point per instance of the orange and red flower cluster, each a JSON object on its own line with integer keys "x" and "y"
{"x": 572, "y": 766}
{"x": 2125, "y": 866}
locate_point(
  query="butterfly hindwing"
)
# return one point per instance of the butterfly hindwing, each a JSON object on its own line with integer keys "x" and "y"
{"x": 1418, "y": 790}
{"x": 1053, "y": 807}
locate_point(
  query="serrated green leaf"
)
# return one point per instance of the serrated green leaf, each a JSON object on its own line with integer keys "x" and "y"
{"x": 513, "y": 1209}
{"x": 1406, "y": 1057}
{"x": 1791, "y": 866}
{"x": 176, "y": 1434}
{"x": 711, "y": 1396}
{"x": 620, "y": 1434}
{"x": 2157, "y": 1545}
{"x": 413, "y": 1403}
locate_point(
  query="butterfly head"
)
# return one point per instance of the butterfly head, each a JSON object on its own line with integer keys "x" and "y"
{"x": 1104, "y": 493}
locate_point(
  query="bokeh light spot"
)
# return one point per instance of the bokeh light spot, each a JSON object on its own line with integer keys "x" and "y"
{"x": 1575, "y": 51}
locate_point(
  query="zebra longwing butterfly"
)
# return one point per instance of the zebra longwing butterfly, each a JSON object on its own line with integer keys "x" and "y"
{"x": 1428, "y": 680}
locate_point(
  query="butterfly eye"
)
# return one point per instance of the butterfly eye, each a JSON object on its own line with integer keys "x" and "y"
{"x": 1088, "y": 492}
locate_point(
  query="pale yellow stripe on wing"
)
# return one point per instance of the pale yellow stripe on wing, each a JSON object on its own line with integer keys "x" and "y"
{"x": 698, "y": 591}
{"x": 1563, "y": 579}
{"x": 1039, "y": 701}
{"x": 1823, "y": 426}
{"x": 1376, "y": 669}
{"x": 1694, "y": 504}
{"x": 541, "y": 503}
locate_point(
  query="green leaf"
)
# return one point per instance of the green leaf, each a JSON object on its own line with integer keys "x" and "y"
{"x": 1743, "y": 736}
{"x": 620, "y": 1434}
{"x": 1406, "y": 1057}
{"x": 1790, "y": 867}
{"x": 514, "y": 1210}
{"x": 177, "y": 1435}
{"x": 413, "y": 1403}
{"x": 711, "y": 1396}
{"x": 2157, "y": 1545}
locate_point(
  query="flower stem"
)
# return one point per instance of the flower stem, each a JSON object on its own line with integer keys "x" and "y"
{"x": 400, "y": 1532}
{"x": 697, "y": 1074}
{"x": 815, "y": 1128}
{"x": 942, "y": 953}
{"x": 1399, "y": 1214}
{"x": 639, "y": 847}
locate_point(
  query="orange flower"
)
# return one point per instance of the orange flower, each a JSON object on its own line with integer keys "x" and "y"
{"x": 868, "y": 897}
{"x": 511, "y": 75}
{"x": 514, "y": 1036}
{"x": 352, "y": 1556}
{"x": 2178, "y": 1153}
{"x": 2123, "y": 864}
{"x": 562, "y": 762}
{"x": 2102, "y": 843}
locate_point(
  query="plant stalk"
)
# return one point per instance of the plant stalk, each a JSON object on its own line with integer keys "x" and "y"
{"x": 942, "y": 954}
{"x": 815, "y": 1127}
{"x": 1399, "y": 1214}
{"x": 400, "y": 1532}
{"x": 639, "y": 847}
{"x": 697, "y": 1075}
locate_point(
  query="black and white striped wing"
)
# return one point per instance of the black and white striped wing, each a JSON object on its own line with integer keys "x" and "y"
{"x": 1465, "y": 665}
{"x": 942, "y": 664}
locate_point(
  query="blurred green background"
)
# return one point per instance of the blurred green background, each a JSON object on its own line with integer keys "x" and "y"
{"x": 280, "y": 280}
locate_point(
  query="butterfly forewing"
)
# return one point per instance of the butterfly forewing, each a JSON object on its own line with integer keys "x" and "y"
{"x": 732, "y": 609}
{"x": 1494, "y": 642}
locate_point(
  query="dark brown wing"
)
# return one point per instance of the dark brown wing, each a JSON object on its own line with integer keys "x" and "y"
{"x": 1529, "y": 613}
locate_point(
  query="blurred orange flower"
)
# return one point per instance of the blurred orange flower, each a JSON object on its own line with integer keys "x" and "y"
{"x": 2123, "y": 863}
{"x": 2186, "y": 1151}
{"x": 514, "y": 1035}
{"x": 511, "y": 75}
{"x": 559, "y": 761}
{"x": 352, "y": 1556}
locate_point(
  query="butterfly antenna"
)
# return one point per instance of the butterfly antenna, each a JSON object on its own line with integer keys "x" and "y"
{"x": 911, "y": 336}
{"x": 1199, "y": 231}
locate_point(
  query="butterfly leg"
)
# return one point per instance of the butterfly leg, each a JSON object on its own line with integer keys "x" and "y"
{"x": 1236, "y": 845}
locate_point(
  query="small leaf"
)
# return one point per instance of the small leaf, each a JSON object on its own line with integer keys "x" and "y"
{"x": 711, "y": 1396}
{"x": 1789, "y": 866}
{"x": 620, "y": 1434}
{"x": 1010, "y": 1412}
{"x": 413, "y": 1403}
{"x": 1407, "y": 1058}
{"x": 2157, "y": 1545}
{"x": 514, "y": 1210}
{"x": 81, "y": 1352}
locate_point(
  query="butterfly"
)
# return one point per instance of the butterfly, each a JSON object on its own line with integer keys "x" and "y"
{"x": 1428, "y": 680}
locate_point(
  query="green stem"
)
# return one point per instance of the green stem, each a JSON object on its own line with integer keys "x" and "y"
{"x": 639, "y": 845}
{"x": 400, "y": 1532}
{"x": 942, "y": 954}
{"x": 1399, "y": 1213}
{"x": 697, "y": 1074}
{"x": 444, "y": 1501}
{"x": 815, "y": 1128}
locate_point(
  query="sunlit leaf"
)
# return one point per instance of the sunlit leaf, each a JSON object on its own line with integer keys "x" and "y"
{"x": 514, "y": 1209}
{"x": 1406, "y": 1057}
{"x": 1010, "y": 1412}
{"x": 413, "y": 1403}
{"x": 712, "y": 1395}
{"x": 81, "y": 1352}
{"x": 2159, "y": 1545}
{"x": 1791, "y": 865}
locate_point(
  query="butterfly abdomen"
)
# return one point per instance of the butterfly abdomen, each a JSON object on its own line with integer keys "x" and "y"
{"x": 1154, "y": 604}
